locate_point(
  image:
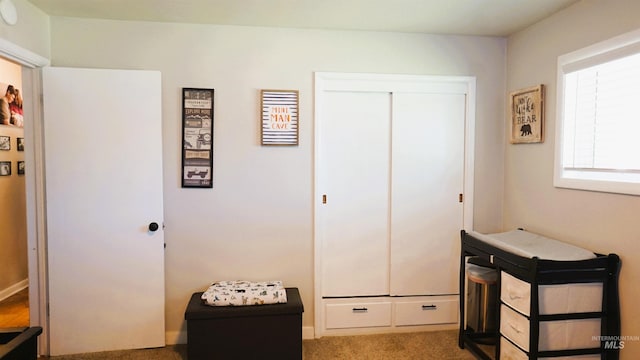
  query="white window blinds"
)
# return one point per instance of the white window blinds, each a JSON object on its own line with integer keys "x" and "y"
{"x": 598, "y": 117}
{"x": 602, "y": 118}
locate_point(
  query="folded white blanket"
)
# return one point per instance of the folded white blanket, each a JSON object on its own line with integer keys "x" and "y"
{"x": 239, "y": 293}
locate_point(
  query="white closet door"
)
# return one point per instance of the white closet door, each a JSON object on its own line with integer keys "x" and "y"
{"x": 354, "y": 175}
{"x": 428, "y": 168}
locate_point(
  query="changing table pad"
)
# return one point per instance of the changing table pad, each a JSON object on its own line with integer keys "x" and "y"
{"x": 529, "y": 245}
{"x": 240, "y": 293}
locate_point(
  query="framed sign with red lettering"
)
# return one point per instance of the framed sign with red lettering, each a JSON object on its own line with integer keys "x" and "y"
{"x": 527, "y": 115}
{"x": 197, "y": 138}
{"x": 279, "y": 117}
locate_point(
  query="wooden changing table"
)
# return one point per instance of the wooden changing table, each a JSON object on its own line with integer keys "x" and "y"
{"x": 539, "y": 275}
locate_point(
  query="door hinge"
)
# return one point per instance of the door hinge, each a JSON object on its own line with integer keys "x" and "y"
{"x": 324, "y": 199}
{"x": 460, "y": 197}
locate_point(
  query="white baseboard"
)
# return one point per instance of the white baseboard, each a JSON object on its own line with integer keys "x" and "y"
{"x": 308, "y": 333}
{"x": 13, "y": 289}
{"x": 180, "y": 337}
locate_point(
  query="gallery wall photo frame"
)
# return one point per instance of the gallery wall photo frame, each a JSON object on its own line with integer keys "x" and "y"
{"x": 20, "y": 167}
{"x": 5, "y": 168}
{"x": 5, "y": 143}
{"x": 197, "y": 137}
{"x": 279, "y": 117}
{"x": 527, "y": 115}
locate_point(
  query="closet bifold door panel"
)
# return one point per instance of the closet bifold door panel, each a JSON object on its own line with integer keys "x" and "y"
{"x": 427, "y": 176}
{"x": 355, "y": 176}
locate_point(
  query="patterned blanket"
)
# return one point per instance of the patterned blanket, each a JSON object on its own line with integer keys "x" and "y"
{"x": 240, "y": 293}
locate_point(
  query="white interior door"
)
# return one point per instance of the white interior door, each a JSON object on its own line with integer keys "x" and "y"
{"x": 103, "y": 153}
{"x": 427, "y": 177}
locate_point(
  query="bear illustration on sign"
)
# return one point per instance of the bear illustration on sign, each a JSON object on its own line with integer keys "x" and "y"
{"x": 525, "y": 130}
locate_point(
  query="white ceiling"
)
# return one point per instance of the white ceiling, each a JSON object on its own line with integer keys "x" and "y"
{"x": 463, "y": 17}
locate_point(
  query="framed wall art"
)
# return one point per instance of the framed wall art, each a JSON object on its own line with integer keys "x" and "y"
{"x": 20, "y": 144}
{"x": 279, "y": 117}
{"x": 197, "y": 138}
{"x": 5, "y": 143}
{"x": 5, "y": 168}
{"x": 527, "y": 115}
{"x": 21, "y": 167}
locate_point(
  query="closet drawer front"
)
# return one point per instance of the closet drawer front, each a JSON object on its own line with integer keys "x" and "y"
{"x": 426, "y": 312}
{"x": 515, "y": 292}
{"x": 510, "y": 351}
{"x": 514, "y": 326}
{"x": 354, "y": 315}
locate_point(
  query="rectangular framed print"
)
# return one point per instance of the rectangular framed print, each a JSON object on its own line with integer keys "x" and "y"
{"x": 527, "y": 115}
{"x": 5, "y": 143}
{"x": 279, "y": 117}
{"x": 5, "y": 168}
{"x": 197, "y": 138}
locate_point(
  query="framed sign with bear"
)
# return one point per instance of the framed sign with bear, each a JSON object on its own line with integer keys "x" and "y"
{"x": 527, "y": 115}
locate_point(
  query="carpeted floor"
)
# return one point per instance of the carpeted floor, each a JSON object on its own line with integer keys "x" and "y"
{"x": 437, "y": 345}
{"x": 175, "y": 352}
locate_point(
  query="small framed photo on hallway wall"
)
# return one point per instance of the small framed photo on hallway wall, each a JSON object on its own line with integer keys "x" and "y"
{"x": 5, "y": 168}
{"x": 5, "y": 143}
{"x": 527, "y": 115}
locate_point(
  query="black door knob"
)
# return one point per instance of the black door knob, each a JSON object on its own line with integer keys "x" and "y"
{"x": 153, "y": 226}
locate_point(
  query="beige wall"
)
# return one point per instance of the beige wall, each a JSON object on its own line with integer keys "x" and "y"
{"x": 13, "y": 236}
{"x": 13, "y": 225}
{"x": 257, "y": 221}
{"x": 601, "y": 222}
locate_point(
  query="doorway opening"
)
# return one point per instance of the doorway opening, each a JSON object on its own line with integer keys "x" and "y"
{"x": 14, "y": 271}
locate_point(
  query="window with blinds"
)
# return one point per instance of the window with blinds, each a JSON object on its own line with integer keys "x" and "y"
{"x": 598, "y": 122}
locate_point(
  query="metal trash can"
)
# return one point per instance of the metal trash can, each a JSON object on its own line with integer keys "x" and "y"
{"x": 481, "y": 298}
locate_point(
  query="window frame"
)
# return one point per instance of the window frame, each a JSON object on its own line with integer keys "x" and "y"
{"x": 592, "y": 179}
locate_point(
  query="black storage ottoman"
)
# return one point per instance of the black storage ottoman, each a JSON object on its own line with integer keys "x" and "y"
{"x": 272, "y": 331}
